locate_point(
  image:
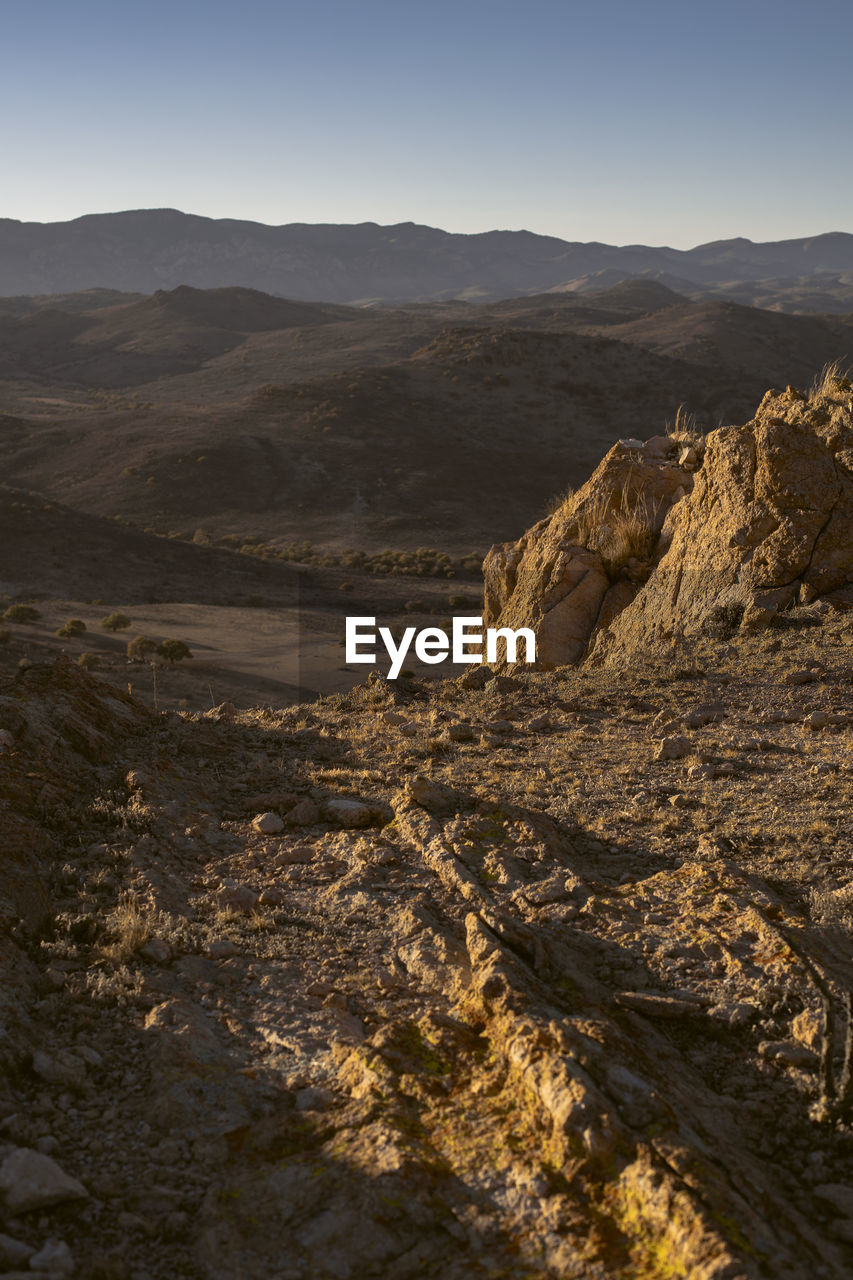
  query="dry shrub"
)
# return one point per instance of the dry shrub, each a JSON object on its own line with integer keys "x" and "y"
{"x": 129, "y": 925}
{"x": 619, "y": 527}
{"x": 832, "y": 382}
{"x": 685, "y": 430}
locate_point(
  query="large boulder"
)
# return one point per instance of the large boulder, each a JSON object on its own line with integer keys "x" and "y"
{"x": 590, "y": 555}
{"x": 769, "y": 523}
{"x": 667, "y": 535}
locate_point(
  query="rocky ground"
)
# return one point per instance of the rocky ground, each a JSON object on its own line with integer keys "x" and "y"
{"x": 548, "y": 977}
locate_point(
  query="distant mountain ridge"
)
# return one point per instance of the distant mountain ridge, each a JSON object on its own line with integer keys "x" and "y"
{"x": 145, "y": 250}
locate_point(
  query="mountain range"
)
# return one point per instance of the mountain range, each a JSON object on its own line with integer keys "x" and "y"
{"x": 150, "y": 249}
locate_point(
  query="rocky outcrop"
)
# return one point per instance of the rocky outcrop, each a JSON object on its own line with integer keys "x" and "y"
{"x": 578, "y": 567}
{"x": 657, "y": 547}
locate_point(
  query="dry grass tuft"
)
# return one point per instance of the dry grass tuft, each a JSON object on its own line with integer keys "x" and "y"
{"x": 685, "y": 430}
{"x": 832, "y": 381}
{"x": 130, "y": 925}
{"x": 620, "y": 528}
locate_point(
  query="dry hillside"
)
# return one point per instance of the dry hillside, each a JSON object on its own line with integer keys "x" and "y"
{"x": 531, "y": 975}
{"x": 447, "y": 425}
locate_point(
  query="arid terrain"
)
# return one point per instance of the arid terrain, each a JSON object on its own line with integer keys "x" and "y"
{"x": 232, "y": 413}
{"x": 527, "y": 973}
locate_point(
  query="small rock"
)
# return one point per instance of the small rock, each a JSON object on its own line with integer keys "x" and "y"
{"x": 788, "y": 1054}
{"x": 460, "y": 732}
{"x": 13, "y": 1253}
{"x": 674, "y": 748}
{"x": 7, "y": 741}
{"x": 756, "y": 618}
{"x": 817, "y": 720}
{"x": 702, "y": 772}
{"x": 271, "y": 897}
{"x": 807, "y": 1029}
{"x": 838, "y": 1196}
{"x": 55, "y": 1259}
{"x": 476, "y": 678}
{"x": 296, "y": 855}
{"x": 303, "y": 814}
{"x": 236, "y": 897}
{"x": 736, "y": 1014}
{"x": 349, "y": 812}
{"x": 157, "y": 950}
{"x": 268, "y": 824}
{"x": 705, "y": 713}
{"x": 539, "y": 723}
{"x": 30, "y": 1180}
{"x": 64, "y": 1069}
{"x": 800, "y": 677}
{"x": 679, "y": 800}
{"x": 221, "y": 948}
{"x": 687, "y": 457}
{"x": 428, "y": 794}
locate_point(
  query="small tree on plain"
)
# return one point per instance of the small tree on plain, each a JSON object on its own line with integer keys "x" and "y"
{"x": 141, "y": 648}
{"x": 115, "y": 622}
{"x": 73, "y": 627}
{"x": 172, "y": 651}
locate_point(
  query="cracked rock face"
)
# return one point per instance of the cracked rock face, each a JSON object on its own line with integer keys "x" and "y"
{"x": 763, "y": 520}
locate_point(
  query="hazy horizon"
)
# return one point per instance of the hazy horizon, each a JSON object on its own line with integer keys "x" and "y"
{"x": 626, "y": 125}
{"x": 485, "y": 230}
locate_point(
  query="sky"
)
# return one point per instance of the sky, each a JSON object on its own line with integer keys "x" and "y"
{"x": 623, "y": 121}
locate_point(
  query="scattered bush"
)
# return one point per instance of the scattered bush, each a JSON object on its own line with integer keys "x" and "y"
{"x": 426, "y": 562}
{"x": 115, "y": 622}
{"x": 619, "y": 529}
{"x": 173, "y": 651}
{"x": 21, "y": 613}
{"x": 89, "y": 661}
{"x": 73, "y": 627}
{"x": 140, "y": 648}
{"x": 832, "y": 381}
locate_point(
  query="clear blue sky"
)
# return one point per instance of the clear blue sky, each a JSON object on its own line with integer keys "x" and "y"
{"x": 652, "y": 121}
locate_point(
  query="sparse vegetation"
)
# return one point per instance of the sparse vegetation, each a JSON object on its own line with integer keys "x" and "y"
{"x": 89, "y": 661}
{"x": 620, "y": 531}
{"x": 425, "y": 562}
{"x": 141, "y": 648}
{"x": 115, "y": 622}
{"x": 173, "y": 651}
{"x": 21, "y": 613}
{"x": 72, "y": 628}
{"x": 832, "y": 382}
